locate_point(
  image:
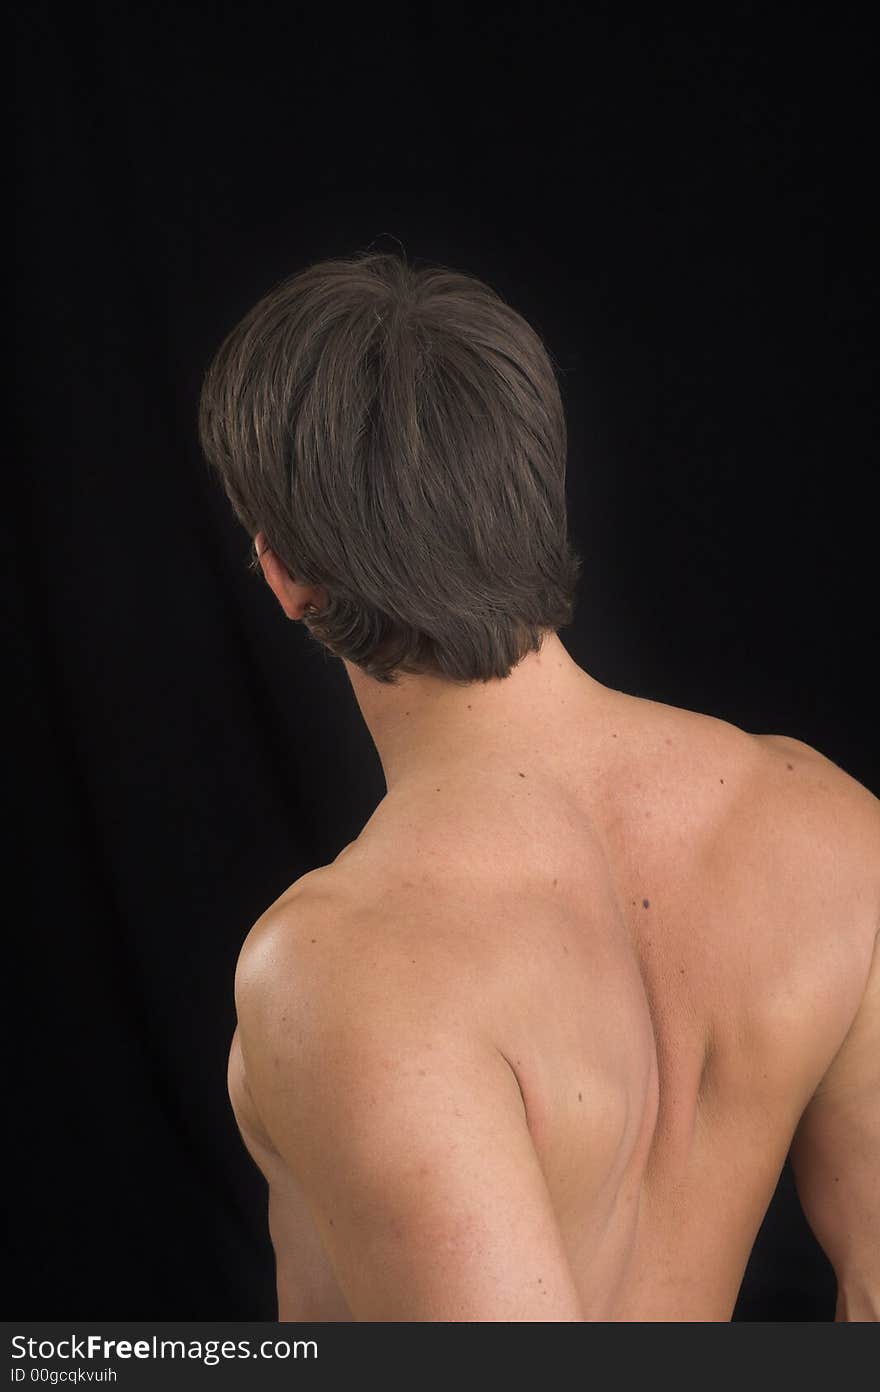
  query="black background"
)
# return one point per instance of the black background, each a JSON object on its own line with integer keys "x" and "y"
{"x": 679, "y": 204}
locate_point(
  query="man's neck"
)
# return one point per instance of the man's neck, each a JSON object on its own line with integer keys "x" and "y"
{"x": 424, "y": 723}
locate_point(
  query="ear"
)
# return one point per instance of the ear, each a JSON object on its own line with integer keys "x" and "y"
{"x": 293, "y": 597}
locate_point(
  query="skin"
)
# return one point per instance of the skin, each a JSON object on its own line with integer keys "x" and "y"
{"x": 536, "y": 1044}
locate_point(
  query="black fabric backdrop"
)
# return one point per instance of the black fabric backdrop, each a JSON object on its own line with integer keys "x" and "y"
{"x": 680, "y": 208}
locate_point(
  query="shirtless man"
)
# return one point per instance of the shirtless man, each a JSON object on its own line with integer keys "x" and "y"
{"x": 536, "y": 1045}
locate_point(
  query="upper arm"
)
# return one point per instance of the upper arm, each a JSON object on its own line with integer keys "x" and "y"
{"x": 407, "y": 1132}
{"x": 836, "y": 1152}
{"x": 836, "y": 1149}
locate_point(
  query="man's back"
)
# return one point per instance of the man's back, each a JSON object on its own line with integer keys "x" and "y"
{"x": 665, "y": 926}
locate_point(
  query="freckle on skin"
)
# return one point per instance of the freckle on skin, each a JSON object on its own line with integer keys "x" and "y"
{"x": 720, "y": 780}
{"x": 421, "y": 1072}
{"x": 438, "y": 790}
{"x": 313, "y": 939}
{"x": 522, "y": 775}
{"x": 646, "y": 903}
{"x": 580, "y": 1097}
{"x": 613, "y": 735}
{"x": 554, "y": 884}
{"x": 789, "y": 766}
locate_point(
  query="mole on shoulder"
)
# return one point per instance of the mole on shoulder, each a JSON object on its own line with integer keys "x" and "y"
{"x": 614, "y": 734}
{"x": 789, "y": 766}
{"x": 721, "y": 780}
{"x": 554, "y": 884}
{"x": 313, "y": 939}
{"x": 580, "y": 1097}
{"x": 522, "y": 775}
{"x": 438, "y": 790}
{"x": 646, "y": 903}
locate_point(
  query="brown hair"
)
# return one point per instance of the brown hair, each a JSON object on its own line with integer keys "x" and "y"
{"x": 398, "y": 436}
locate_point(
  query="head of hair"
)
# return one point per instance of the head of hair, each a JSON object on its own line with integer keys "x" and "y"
{"x": 398, "y": 436}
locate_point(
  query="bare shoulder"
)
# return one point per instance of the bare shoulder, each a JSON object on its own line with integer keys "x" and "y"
{"x": 348, "y": 943}
{"x": 814, "y": 834}
{"x": 783, "y": 751}
{"x": 823, "y": 801}
{"x": 300, "y": 934}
